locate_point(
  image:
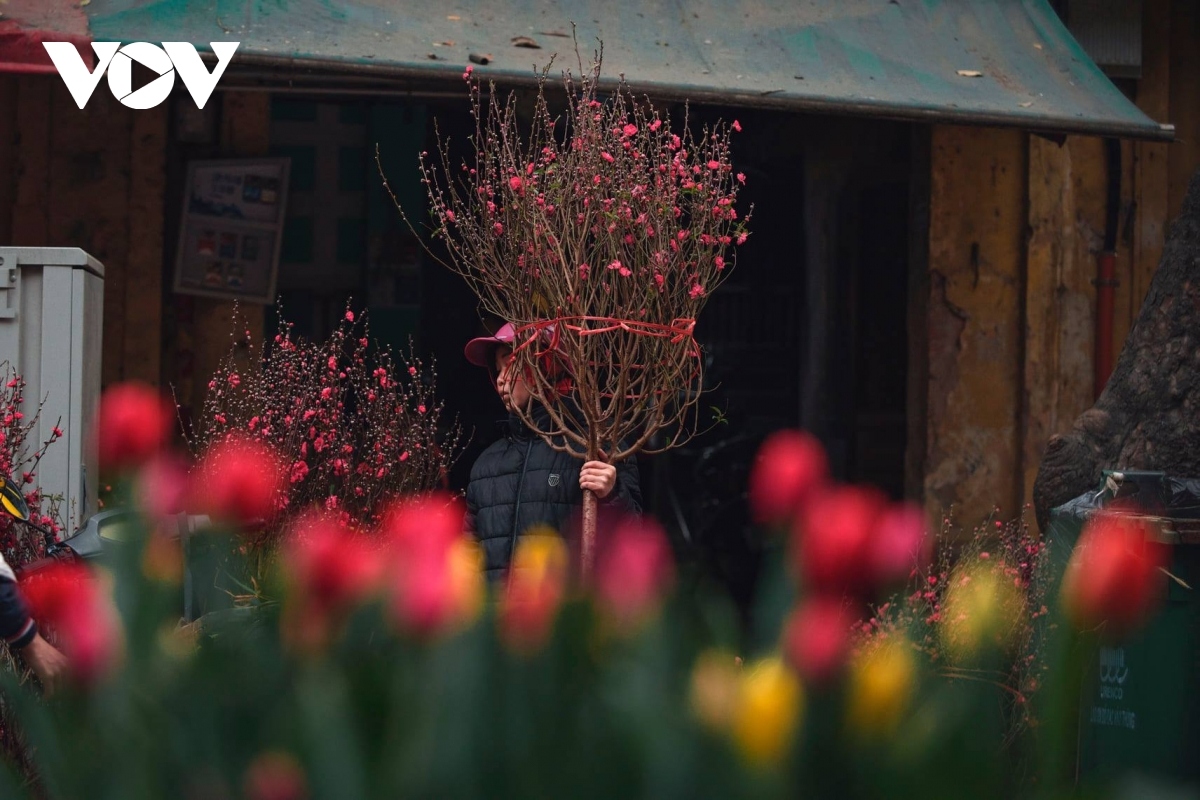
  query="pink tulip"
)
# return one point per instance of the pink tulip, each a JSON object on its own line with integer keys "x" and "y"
{"x": 634, "y": 570}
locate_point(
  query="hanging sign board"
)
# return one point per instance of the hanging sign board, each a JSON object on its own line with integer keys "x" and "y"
{"x": 231, "y": 229}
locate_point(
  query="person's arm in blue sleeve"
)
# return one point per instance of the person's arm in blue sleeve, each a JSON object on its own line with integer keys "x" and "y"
{"x": 18, "y": 629}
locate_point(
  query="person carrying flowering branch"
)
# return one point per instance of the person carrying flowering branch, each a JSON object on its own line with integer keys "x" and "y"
{"x": 599, "y": 235}
{"x": 523, "y": 483}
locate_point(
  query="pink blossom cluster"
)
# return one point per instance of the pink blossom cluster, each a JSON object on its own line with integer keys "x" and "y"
{"x": 354, "y": 425}
{"x": 19, "y": 460}
{"x": 607, "y": 210}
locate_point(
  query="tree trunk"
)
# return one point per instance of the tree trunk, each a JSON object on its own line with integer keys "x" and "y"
{"x": 1148, "y": 416}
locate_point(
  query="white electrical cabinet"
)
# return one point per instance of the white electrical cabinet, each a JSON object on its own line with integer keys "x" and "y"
{"x": 51, "y": 323}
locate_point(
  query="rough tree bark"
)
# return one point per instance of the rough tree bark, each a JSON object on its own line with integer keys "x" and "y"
{"x": 1148, "y": 416}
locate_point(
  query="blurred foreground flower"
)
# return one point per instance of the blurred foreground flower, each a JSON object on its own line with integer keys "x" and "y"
{"x": 714, "y": 689}
{"x": 882, "y": 679}
{"x": 71, "y": 601}
{"x": 791, "y": 465}
{"x": 1115, "y": 576}
{"x": 330, "y": 570}
{"x": 833, "y": 537}
{"x": 635, "y": 570}
{"x": 536, "y": 583}
{"x": 238, "y": 481}
{"x": 770, "y": 704}
{"x": 901, "y": 544}
{"x": 275, "y": 775}
{"x": 160, "y": 489}
{"x": 816, "y": 638}
{"x": 981, "y": 610}
{"x": 437, "y": 571}
{"x": 133, "y": 423}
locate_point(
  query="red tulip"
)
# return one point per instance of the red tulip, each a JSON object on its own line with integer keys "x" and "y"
{"x": 331, "y": 567}
{"x": 816, "y": 638}
{"x": 132, "y": 424}
{"x": 634, "y": 569}
{"x": 275, "y": 776}
{"x": 438, "y": 571}
{"x": 833, "y": 538}
{"x": 436, "y": 596}
{"x": 424, "y": 526}
{"x": 901, "y": 542}
{"x": 69, "y": 600}
{"x": 1114, "y": 577}
{"x": 238, "y": 481}
{"x": 790, "y": 467}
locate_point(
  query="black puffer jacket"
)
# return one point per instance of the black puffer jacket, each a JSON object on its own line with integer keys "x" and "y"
{"x": 521, "y": 482}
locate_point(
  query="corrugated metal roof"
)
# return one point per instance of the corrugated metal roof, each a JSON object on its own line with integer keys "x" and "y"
{"x": 997, "y": 62}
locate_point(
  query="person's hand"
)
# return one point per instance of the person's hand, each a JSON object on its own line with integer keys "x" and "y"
{"x": 599, "y": 477}
{"x": 46, "y": 661}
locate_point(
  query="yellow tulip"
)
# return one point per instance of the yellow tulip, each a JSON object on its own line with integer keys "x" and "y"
{"x": 464, "y": 571}
{"x": 770, "y": 705}
{"x": 536, "y": 584}
{"x": 881, "y": 686}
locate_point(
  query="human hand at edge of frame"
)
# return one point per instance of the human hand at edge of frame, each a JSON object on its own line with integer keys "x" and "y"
{"x": 598, "y": 476}
{"x": 46, "y": 661}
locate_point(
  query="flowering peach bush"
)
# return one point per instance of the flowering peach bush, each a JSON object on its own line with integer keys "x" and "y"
{"x": 380, "y": 665}
{"x": 349, "y": 428}
{"x": 19, "y": 459}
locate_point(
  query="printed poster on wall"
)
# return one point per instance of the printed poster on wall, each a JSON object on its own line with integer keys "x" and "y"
{"x": 231, "y": 229}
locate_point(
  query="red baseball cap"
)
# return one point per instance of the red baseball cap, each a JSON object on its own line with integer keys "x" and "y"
{"x": 479, "y": 351}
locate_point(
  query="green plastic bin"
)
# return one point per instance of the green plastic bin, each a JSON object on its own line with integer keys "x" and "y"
{"x": 1140, "y": 706}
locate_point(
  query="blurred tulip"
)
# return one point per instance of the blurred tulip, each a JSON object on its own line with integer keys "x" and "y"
{"x": 162, "y": 558}
{"x": 422, "y": 526}
{"x": 833, "y": 538}
{"x": 275, "y": 776}
{"x": 714, "y": 689}
{"x": 331, "y": 567}
{"x": 791, "y": 465}
{"x": 882, "y": 680}
{"x": 160, "y": 490}
{"x": 980, "y": 610}
{"x": 132, "y": 424}
{"x": 769, "y": 707}
{"x": 536, "y": 583}
{"x": 636, "y": 566}
{"x": 68, "y": 599}
{"x": 901, "y": 542}
{"x": 329, "y": 570}
{"x": 441, "y": 594}
{"x": 438, "y": 571}
{"x": 238, "y": 481}
{"x": 1114, "y": 578}
{"x": 816, "y": 638}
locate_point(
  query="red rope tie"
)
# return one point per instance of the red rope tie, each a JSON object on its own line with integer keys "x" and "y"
{"x": 679, "y": 331}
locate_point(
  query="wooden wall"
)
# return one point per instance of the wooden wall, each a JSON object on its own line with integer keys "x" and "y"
{"x": 96, "y": 179}
{"x": 1016, "y": 224}
{"x": 91, "y": 178}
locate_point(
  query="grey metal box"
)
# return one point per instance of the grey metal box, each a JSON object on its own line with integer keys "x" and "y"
{"x": 51, "y": 326}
